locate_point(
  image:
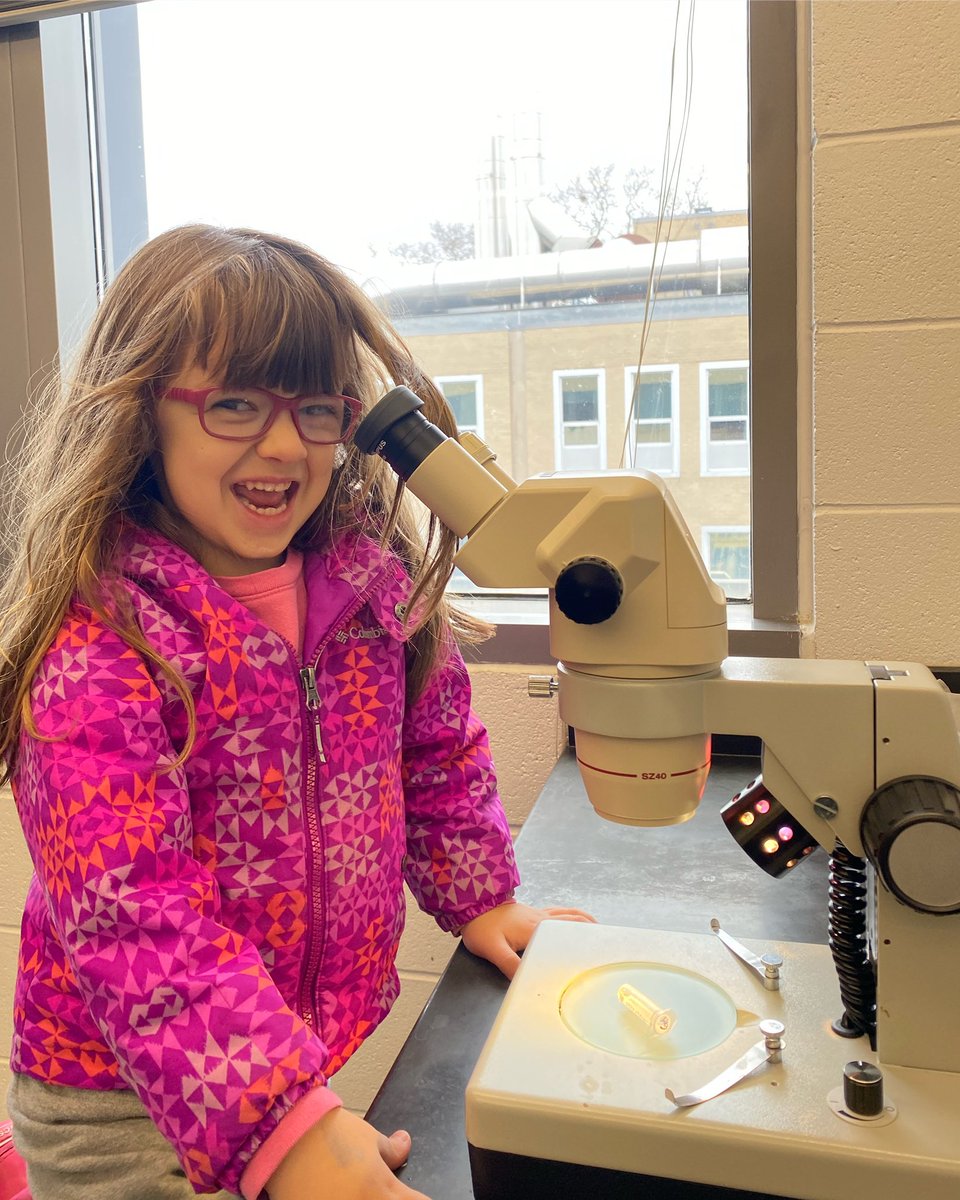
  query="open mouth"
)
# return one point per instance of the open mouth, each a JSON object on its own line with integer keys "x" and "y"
{"x": 265, "y": 499}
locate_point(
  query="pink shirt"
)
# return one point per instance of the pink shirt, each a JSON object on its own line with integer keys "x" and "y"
{"x": 278, "y": 596}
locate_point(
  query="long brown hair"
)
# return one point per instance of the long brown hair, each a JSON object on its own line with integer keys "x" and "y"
{"x": 253, "y": 309}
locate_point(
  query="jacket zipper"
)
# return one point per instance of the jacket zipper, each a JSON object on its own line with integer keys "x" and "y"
{"x": 308, "y": 680}
{"x": 316, "y": 931}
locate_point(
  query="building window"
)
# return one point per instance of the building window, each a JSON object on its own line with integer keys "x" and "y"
{"x": 464, "y": 394}
{"x": 653, "y": 418}
{"x": 726, "y": 551}
{"x": 579, "y": 416}
{"x": 724, "y": 406}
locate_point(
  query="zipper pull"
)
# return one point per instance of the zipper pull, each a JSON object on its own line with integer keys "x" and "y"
{"x": 308, "y": 679}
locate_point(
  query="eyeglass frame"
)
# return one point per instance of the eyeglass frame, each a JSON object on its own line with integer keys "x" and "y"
{"x": 280, "y": 403}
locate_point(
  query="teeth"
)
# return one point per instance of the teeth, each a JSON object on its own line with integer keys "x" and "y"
{"x": 265, "y": 487}
{"x": 261, "y": 510}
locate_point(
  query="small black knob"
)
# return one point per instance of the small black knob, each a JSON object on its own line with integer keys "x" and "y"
{"x": 862, "y": 1089}
{"x": 589, "y": 590}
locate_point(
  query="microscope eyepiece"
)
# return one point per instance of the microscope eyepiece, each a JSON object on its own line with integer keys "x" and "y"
{"x": 396, "y": 430}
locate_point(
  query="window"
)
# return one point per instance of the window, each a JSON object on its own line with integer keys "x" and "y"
{"x": 724, "y": 404}
{"x": 464, "y": 394}
{"x": 549, "y": 140}
{"x": 579, "y": 413}
{"x": 727, "y": 555}
{"x": 655, "y": 405}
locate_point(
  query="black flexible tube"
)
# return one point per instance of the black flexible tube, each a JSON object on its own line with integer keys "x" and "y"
{"x": 856, "y": 970}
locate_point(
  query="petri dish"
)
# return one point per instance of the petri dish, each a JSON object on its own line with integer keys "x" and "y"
{"x": 705, "y": 1015}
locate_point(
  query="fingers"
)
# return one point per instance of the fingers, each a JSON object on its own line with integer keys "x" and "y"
{"x": 395, "y": 1150}
{"x": 503, "y": 956}
{"x": 569, "y": 914}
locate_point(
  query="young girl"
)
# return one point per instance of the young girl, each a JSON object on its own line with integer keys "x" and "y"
{"x": 235, "y": 720}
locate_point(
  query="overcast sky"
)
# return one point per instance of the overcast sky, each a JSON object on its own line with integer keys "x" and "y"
{"x": 355, "y": 123}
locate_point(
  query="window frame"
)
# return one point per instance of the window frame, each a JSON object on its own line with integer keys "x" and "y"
{"x": 559, "y": 424}
{"x": 779, "y": 233}
{"x": 706, "y": 471}
{"x": 673, "y": 370}
{"x": 477, "y": 380}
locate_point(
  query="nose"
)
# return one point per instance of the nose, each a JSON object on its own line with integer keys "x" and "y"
{"x": 282, "y": 441}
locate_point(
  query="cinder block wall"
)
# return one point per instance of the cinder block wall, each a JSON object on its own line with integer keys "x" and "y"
{"x": 886, "y": 318}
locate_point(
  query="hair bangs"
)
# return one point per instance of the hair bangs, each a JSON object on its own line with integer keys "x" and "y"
{"x": 265, "y": 321}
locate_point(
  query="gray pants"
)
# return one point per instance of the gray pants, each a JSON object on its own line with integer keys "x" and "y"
{"x": 88, "y": 1145}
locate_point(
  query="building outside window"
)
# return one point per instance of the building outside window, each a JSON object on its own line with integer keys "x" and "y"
{"x": 725, "y": 414}
{"x": 726, "y": 552}
{"x": 579, "y": 404}
{"x": 652, "y": 411}
{"x": 464, "y": 394}
{"x": 495, "y": 268}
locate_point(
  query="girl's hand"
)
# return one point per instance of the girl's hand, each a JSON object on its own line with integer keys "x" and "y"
{"x": 500, "y": 934}
{"x": 343, "y": 1158}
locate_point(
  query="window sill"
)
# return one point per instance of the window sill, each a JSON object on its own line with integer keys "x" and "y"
{"x": 522, "y": 632}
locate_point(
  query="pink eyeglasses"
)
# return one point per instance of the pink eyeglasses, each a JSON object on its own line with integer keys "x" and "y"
{"x": 245, "y": 414}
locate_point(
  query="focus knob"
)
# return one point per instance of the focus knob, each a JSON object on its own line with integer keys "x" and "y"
{"x": 863, "y": 1089}
{"x": 588, "y": 590}
{"x": 911, "y": 834}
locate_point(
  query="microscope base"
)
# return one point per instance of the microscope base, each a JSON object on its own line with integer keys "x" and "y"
{"x": 543, "y": 1102}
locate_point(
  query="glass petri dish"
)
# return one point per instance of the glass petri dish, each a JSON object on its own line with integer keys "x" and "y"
{"x": 704, "y": 1013}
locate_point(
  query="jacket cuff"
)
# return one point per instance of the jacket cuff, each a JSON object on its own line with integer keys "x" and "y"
{"x": 454, "y": 922}
{"x": 303, "y": 1116}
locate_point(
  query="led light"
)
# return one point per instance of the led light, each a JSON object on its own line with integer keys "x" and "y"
{"x": 765, "y": 830}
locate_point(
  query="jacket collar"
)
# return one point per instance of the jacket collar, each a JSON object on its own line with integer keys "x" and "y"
{"x": 339, "y": 580}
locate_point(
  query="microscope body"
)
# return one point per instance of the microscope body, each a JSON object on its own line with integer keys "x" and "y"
{"x": 863, "y": 754}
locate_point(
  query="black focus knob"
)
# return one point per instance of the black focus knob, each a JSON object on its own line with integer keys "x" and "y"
{"x": 911, "y": 834}
{"x": 862, "y": 1089}
{"x": 588, "y": 590}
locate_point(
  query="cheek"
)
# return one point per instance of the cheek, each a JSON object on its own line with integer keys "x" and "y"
{"x": 190, "y": 475}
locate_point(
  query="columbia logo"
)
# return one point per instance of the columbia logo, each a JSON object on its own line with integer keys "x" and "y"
{"x": 357, "y": 631}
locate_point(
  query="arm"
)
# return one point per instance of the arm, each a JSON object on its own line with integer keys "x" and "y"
{"x": 185, "y": 1005}
{"x": 460, "y": 862}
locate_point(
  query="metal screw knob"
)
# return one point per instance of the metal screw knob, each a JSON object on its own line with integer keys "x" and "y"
{"x": 863, "y": 1089}
{"x": 542, "y": 686}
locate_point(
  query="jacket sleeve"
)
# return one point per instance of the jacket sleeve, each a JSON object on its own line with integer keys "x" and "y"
{"x": 460, "y": 861}
{"x": 187, "y": 1007}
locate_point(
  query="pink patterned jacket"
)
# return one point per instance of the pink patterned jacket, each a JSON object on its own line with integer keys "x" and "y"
{"x": 220, "y": 936}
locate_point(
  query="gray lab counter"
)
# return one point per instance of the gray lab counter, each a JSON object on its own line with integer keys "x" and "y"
{"x": 675, "y": 878}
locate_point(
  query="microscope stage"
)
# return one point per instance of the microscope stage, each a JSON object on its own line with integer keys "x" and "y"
{"x": 570, "y": 1075}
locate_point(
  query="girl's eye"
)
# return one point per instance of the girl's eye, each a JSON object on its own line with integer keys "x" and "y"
{"x": 322, "y": 408}
{"x": 237, "y": 404}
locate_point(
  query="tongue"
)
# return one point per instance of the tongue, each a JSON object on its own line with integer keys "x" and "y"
{"x": 260, "y": 498}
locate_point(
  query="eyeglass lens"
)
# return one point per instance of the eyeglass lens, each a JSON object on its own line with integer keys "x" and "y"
{"x": 243, "y": 412}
